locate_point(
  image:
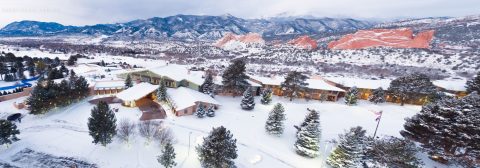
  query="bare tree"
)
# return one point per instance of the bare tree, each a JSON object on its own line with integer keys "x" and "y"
{"x": 125, "y": 130}
{"x": 148, "y": 129}
{"x": 164, "y": 135}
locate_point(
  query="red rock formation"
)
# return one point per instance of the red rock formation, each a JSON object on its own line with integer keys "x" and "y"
{"x": 396, "y": 38}
{"x": 249, "y": 38}
{"x": 304, "y": 42}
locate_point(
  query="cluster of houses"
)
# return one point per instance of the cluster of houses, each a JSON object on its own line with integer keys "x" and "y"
{"x": 184, "y": 96}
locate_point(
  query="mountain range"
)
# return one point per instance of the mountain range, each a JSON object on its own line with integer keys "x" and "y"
{"x": 193, "y": 27}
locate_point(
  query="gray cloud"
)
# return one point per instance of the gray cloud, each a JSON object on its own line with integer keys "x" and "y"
{"x": 74, "y": 12}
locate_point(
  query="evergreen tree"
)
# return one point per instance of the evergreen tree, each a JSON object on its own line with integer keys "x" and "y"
{"x": 63, "y": 69}
{"x": 211, "y": 111}
{"x": 3, "y": 70}
{"x": 71, "y": 60}
{"x": 248, "y": 101}
{"x": 411, "y": 86}
{"x": 200, "y": 113}
{"x": 308, "y": 135}
{"x": 474, "y": 84}
{"x": 294, "y": 84}
{"x": 350, "y": 149}
{"x": 436, "y": 96}
{"x": 448, "y": 129}
{"x": 274, "y": 124}
{"x": 20, "y": 69}
{"x": 128, "y": 82}
{"x": 218, "y": 149}
{"x": 208, "y": 86}
{"x": 81, "y": 89}
{"x": 392, "y": 152}
{"x": 351, "y": 96}
{"x": 266, "y": 96}
{"x": 234, "y": 77}
{"x": 31, "y": 68}
{"x": 378, "y": 96}
{"x": 162, "y": 92}
{"x": 167, "y": 159}
{"x": 8, "y": 132}
{"x": 102, "y": 124}
{"x": 38, "y": 100}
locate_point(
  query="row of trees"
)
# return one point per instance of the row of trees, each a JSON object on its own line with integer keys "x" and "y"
{"x": 12, "y": 68}
{"x": 48, "y": 94}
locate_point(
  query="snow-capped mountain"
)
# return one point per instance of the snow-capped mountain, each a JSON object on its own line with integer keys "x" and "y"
{"x": 186, "y": 27}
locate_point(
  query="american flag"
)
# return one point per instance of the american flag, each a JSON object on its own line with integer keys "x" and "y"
{"x": 379, "y": 115}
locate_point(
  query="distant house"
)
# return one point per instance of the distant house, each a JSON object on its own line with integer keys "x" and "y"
{"x": 456, "y": 87}
{"x": 364, "y": 86}
{"x": 185, "y": 101}
{"x": 176, "y": 76}
{"x": 316, "y": 87}
{"x": 108, "y": 87}
{"x": 173, "y": 75}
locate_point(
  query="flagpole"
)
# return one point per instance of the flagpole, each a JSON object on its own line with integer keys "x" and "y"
{"x": 378, "y": 123}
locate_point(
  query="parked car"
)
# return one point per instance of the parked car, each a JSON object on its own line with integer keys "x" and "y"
{"x": 15, "y": 117}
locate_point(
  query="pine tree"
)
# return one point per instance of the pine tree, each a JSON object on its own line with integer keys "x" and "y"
{"x": 350, "y": 150}
{"x": 266, "y": 96}
{"x": 474, "y": 84}
{"x": 308, "y": 135}
{"x": 38, "y": 102}
{"x": 211, "y": 111}
{"x": 218, "y": 149}
{"x": 81, "y": 89}
{"x": 294, "y": 84}
{"x": 351, "y": 96}
{"x": 102, "y": 124}
{"x": 234, "y": 77}
{"x": 274, "y": 124}
{"x": 378, "y": 96}
{"x": 448, "y": 129}
{"x": 162, "y": 92}
{"x": 8, "y": 132}
{"x": 411, "y": 86}
{"x": 200, "y": 113}
{"x": 208, "y": 86}
{"x": 392, "y": 152}
{"x": 128, "y": 82}
{"x": 167, "y": 159}
{"x": 436, "y": 96}
{"x": 248, "y": 101}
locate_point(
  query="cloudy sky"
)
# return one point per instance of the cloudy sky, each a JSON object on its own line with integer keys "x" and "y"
{"x": 82, "y": 12}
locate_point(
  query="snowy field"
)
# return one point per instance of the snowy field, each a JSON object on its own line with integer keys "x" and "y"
{"x": 64, "y": 132}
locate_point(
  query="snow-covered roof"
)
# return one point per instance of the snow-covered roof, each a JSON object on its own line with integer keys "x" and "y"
{"x": 112, "y": 84}
{"x": 275, "y": 80}
{"x": 179, "y": 73}
{"x": 322, "y": 85}
{"x": 185, "y": 97}
{"x": 360, "y": 83}
{"x": 453, "y": 85}
{"x": 137, "y": 91}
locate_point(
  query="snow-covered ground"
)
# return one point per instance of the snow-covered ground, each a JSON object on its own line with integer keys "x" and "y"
{"x": 64, "y": 132}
